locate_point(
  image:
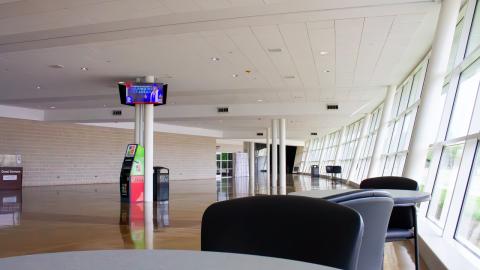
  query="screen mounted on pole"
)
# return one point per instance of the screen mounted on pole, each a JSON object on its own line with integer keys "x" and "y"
{"x": 143, "y": 93}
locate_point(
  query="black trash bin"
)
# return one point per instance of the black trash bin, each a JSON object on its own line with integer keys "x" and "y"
{"x": 160, "y": 184}
{"x": 315, "y": 170}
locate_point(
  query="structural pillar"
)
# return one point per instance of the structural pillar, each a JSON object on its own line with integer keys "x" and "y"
{"x": 429, "y": 113}
{"x": 283, "y": 155}
{"x": 251, "y": 159}
{"x": 138, "y": 119}
{"x": 268, "y": 141}
{"x": 149, "y": 227}
{"x": 382, "y": 133}
{"x": 274, "y": 153}
{"x": 148, "y": 144}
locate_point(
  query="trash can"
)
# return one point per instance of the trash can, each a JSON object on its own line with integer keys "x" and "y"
{"x": 315, "y": 170}
{"x": 161, "y": 184}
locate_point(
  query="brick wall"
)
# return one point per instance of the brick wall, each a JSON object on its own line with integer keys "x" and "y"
{"x": 61, "y": 153}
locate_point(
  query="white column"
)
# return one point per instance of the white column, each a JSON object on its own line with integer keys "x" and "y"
{"x": 382, "y": 133}
{"x": 283, "y": 154}
{"x": 429, "y": 113}
{"x": 251, "y": 159}
{"x": 148, "y": 141}
{"x": 138, "y": 118}
{"x": 149, "y": 228}
{"x": 268, "y": 141}
{"x": 274, "y": 153}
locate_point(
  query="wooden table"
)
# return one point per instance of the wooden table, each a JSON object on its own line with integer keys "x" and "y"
{"x": 151, "y": 259}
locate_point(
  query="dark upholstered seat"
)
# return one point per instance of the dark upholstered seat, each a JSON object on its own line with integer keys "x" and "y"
{"x": 290, "y": 227}
{"x": 403, "y": 221}
{"x": 375, "y": 208}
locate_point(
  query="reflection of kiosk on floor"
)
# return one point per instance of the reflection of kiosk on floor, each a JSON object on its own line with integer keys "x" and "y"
{"x": 132, "y": 174}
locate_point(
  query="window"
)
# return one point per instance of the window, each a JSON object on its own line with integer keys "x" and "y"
{"x": 474, "y": 38}
{"x": 400, "y": 126}
{"x": 453, "y": 160}
{"x": 468, "y": 230}
{"x": 464, "y": 101}
{"x": 367, "y": 144}
{"x": 349, "y": 146}
{"x": 444, "y": 184}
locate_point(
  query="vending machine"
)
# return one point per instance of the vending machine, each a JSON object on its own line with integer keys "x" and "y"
{"x": 132, "y": 175}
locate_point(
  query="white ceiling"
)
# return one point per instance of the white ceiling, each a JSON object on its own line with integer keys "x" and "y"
{"x": 370, "y": 43}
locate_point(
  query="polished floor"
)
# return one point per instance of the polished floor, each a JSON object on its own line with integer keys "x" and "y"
{"x": 86, "y": 217}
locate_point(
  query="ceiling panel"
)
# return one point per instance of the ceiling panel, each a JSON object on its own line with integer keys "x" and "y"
{"x": 348, "y": 34}
{"x": 374, "y": 36}
{"x": 271, "y": 38}
{"x": 298, "y": 44}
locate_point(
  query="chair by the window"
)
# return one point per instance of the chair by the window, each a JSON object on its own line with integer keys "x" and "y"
{"x": 375, "y": 208}
{"x": 403, "y": 221}
{"x": 290, "y": 227}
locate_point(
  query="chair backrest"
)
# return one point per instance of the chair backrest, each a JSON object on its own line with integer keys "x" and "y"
{"x": 375, "y": 208}
{"x": 402, "y": 217}
{"x": 290, "y": 227}
{"x": 389, "y": 182}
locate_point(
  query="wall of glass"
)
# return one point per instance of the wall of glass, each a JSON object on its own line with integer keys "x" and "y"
{"x": 400, "y": 126}
{"x": 452, "y": 168}
{"x": 454, "y": 165}
{"x": 367, "y": 144}
{"x": 348, "y": 146}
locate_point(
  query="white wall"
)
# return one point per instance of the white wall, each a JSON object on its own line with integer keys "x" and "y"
{"x": 60, "y": 153}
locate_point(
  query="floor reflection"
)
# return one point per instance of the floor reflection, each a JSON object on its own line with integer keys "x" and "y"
{"x": 134, "y": 223}
{"x": 85, "y": 217}
{"x": 237, "y": 187}
{"x": 10, "y": 208}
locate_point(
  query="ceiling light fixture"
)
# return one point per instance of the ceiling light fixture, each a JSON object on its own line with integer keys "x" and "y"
{"x": 215, "y": 59}
{"x": 84, "y": 68}
{"x": 52, "y": 107}
{"x": 323, "y": 52}
{"x": 38, "y": 87}
{"x": 259, "y": 100}
{"x": 274, "y": 50}
{"x": 234, "y": 75}
{"x": 56, "y": 66}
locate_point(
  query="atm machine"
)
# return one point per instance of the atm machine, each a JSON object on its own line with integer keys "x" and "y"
{"x": 132, "y": 175}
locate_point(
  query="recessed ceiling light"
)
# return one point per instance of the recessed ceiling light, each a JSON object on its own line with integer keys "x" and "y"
{"x": 215, "y": 59}
{"x": 38, "y": 87}
{"x": 326, "y": 71}
{"x": 289, "y": 77}
{"x": 56, "y": 66}
{"x": 323, "y": 52}
{"x": 234, "y": 75}
{"x": 52, "y": 107}
{"x": 84, "y": 68}
{"x": 273, "y": 50}
{"x": 259, "y": 100}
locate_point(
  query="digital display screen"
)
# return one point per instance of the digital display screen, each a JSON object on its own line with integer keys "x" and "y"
{"x": 145, "y": 93}
{"x": 131, "y": 148}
